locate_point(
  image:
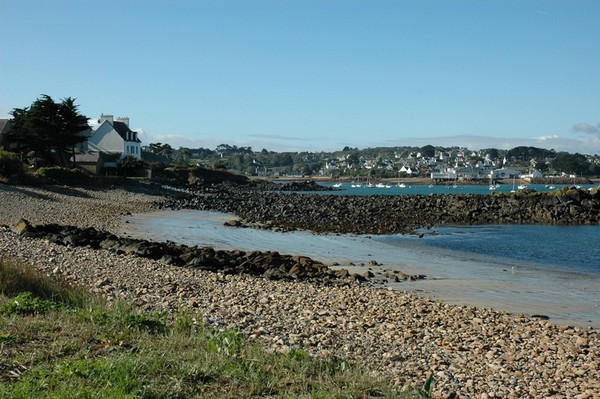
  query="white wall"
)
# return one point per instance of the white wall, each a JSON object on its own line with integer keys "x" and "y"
{"x": 107, "y": 139}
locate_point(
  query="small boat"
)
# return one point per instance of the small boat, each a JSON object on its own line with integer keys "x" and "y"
{"x": 337, "y": 185}
{"x": 522, "y": 186}
{"x": 401, "y": 185}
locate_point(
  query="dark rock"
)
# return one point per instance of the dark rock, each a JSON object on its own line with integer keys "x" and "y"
{"x": 540, "y": 316}
{"x": 233, "y": 223}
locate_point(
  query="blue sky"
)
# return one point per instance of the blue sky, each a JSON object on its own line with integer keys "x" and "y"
{"x": 315, "y": 75}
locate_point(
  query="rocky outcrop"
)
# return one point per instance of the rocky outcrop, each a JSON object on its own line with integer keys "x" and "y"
{"x": 303, "y": 186}
{"x": 395, "y": 214}
{"x": 271, "y": 265}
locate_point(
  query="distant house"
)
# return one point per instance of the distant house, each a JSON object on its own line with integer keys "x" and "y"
{"x": 114, "y": 137}
{"x": 442, "y": 173}
{"x": 471, "y": 173}
{"x": 96, "y": 162}
{"x": 535, "y": 174}
{"x": 106, "y": 144}
{"x": 505, "y": 173}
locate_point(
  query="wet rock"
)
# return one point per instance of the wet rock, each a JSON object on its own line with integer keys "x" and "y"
{"x": 269, "y": 264}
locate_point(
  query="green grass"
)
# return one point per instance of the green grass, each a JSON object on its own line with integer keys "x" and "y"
{"x": 60, "y": 342}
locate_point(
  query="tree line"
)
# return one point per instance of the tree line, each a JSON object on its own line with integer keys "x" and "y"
{"x": 247, "y": 161}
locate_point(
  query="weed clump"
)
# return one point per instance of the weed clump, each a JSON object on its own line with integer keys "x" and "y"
{"x": 27, "y": 304}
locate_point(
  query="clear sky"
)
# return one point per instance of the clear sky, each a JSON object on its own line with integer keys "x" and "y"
{"x": 315, "y": 75}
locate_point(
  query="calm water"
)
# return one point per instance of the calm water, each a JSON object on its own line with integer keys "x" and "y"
{"x": 547, "y": 270}
{"x": 570, "y": 249}
{"x": 421, "y": 189}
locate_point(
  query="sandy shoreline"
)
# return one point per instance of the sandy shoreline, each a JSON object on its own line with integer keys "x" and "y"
{"x": 474, "y": 352}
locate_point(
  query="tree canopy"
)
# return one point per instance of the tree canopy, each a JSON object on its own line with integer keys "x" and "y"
{"x": 573, "y": 164}
{"x": 48, "y": 129}
{"x": 427, "y": 151}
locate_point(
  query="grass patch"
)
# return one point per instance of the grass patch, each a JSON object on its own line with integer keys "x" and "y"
{"x": 17, "y": 279}
{"x": 59, "y": 343}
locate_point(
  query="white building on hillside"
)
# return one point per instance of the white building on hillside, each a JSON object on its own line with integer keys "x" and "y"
{"x": 505, "y": 173}
{"x": 115, "y": 137}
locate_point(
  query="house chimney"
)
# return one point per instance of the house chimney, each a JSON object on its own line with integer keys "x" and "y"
{"x": 103, "y": 118}
{"x": 123, "y": 119}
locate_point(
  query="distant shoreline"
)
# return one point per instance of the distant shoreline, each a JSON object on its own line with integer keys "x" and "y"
{"x": 426, "y": 180}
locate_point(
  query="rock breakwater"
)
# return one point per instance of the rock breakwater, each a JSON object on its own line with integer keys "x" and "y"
{"x": 271, "y": 265}
{"x": 395, "y": 214}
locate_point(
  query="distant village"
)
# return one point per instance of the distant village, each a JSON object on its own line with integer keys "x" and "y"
{"x": 111, "y": 141}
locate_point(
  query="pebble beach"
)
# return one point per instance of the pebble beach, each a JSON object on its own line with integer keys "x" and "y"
{"x": 475, "y": 352}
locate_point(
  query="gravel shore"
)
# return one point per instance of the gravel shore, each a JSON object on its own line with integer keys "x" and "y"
{"x": 477, "y": 353}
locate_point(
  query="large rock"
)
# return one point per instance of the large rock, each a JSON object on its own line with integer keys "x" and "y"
{"x": 23, "y": 226}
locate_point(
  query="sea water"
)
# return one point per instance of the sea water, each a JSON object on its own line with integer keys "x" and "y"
{"x": 549, "y": 270}
{"x": 446, "y": 188}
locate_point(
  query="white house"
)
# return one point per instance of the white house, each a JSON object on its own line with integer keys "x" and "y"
{"x": 505, "y": 173}
{"x": 115, "y": 137}
{"x": 442, "y": 173}
{"x": 535, "y": 174}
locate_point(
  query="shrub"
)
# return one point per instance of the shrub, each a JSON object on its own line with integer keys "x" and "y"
{"x": 10, "y": 165}
{"x": 58, "y": 175}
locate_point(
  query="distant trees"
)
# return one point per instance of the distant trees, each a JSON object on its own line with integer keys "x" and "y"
{"x": 48, "y": 129}
{"x": 353, "y": 159}
{"x": 160, "y": 148}
{"x": 525, "y": 154}
{"x": 573, "y": 164}
{"x": 492, "y": 152}
{"x": 427, "y": 151}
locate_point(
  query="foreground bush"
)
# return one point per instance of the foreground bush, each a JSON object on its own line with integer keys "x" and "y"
{"x": 11, "y": 167}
